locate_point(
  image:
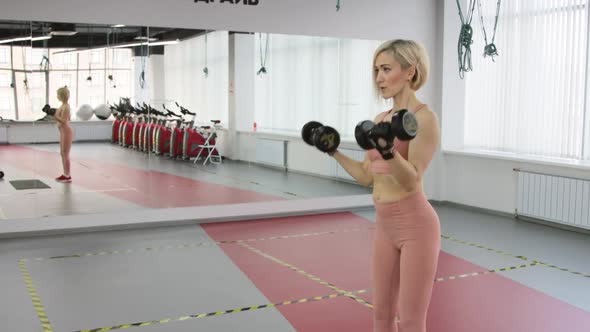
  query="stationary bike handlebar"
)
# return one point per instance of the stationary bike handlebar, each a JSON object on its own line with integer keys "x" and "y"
{"x": 170, "y": 113}
{"x": 185, "y": 111}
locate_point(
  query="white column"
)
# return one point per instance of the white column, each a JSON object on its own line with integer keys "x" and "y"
{"x": 241, "y": 92}
{"x": 157, "y": 82}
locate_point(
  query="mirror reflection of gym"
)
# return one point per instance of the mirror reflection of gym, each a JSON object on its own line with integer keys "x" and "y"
{"x": 158, "y": 107}
{"x": 103, "y": 66}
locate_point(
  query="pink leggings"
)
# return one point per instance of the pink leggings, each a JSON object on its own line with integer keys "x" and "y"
{"x": 405, "y": 257}
{"x": 66, "y": 135}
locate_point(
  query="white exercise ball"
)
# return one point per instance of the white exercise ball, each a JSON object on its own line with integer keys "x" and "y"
{"x": 102, "y": 111}
{"x": 84, "y": 112}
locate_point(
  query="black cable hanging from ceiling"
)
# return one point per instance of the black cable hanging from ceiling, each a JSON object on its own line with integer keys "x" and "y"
{"x": 489, "y": 48}
{"x": 465, "y": 39}
{"x": 264, "y": 57}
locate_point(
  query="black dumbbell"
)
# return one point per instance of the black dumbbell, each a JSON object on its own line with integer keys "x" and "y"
{"x": 403, "y": 125}
{"x": 1, "y": 175}
{"x": 325, "y": 138}
{"x": 48, "y": 110}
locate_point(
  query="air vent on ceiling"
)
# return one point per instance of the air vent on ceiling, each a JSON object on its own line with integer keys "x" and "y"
{"x": 63, "y": 29}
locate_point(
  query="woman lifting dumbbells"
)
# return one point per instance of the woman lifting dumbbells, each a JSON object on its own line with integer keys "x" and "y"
{"x": 400, "y": 145}
{"x": 66, "y": 135}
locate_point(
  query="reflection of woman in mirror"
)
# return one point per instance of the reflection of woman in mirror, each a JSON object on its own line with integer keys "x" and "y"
{"x": 66, "y": 135}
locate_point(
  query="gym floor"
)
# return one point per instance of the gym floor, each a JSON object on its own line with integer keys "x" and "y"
{"x": 304, "y": 273}
{"x": 110, "y": 178}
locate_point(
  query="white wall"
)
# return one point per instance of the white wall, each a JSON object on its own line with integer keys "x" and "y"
{"x": 487, "y": 182}
{"x": 241, "y": 96}
{"x": 374, "y": 19}
{"x": 157, "y": 81}
{"x": 453, "y": 87}
{"x": 244, "y": 63}
{"x": 433, "y": 96}
{"x": 46, "y": 132}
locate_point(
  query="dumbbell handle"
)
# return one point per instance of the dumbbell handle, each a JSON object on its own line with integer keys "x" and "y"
{"x": 380, "y": 136}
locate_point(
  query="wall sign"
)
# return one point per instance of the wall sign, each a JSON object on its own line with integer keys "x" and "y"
{"x": 233, "y": 2}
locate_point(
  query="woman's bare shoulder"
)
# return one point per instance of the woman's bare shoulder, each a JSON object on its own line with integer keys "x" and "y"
{"x": 427, "y": 113}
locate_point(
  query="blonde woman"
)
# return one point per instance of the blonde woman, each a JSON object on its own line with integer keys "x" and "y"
{"x": 66, "y": 135}
{"x": 407, "y": 238}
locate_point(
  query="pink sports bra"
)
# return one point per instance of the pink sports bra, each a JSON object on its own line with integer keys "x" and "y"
{"x": 377, "y": 163}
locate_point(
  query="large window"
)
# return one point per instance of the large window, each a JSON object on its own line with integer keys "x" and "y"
{"x": 5, "y": 78}
{"x": 38, "y": 73}
{"x": 4, "y": 56}
{"x": 5, "y": 105}
{"x": 314, "y": 78}
{"x": 34, "y": 57}
{"x": 531, "y": 99}
{"x": 60, "y": 77}
{"x": 6, "y": 94}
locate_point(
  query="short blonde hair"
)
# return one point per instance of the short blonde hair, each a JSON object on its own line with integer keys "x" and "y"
{"x": 407, "y": 53}
{"x": 64, "y": 93}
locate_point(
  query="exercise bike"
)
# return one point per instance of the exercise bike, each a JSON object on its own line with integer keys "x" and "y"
{"x": 163, "y": 134}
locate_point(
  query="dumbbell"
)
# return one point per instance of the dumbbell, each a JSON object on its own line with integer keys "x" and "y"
{"x": 369, "y": 135}
{"x": 325, "y": 138}
{"x": 48, "y": 110}
{"x": 1, "y": 175}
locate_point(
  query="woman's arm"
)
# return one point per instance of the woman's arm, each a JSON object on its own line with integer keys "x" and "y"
{"x": 63, "y": 114}
{"x": 57, "y": 116}
{"x": 408, "y": 173}
{"x": 357, "y": 169}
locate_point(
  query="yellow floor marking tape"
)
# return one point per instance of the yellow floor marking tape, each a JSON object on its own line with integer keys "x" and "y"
{"x": 218, "y": 313}
{"x": 504, "y": 253}
{"x": 310, "y": 276}
{"x": 188, "y": 246}
{"x": 39, "y": 309}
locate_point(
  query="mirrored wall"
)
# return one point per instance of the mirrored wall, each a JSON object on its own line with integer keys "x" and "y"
{"x": 147, "y": 101}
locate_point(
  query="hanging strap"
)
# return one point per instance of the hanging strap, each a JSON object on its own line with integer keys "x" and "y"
{"x": 465, "y": 39}
{"x": 490, "y": 48}
{"x": 262, "y": 69}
